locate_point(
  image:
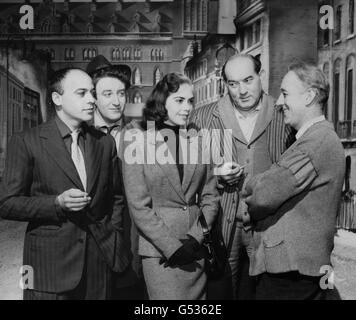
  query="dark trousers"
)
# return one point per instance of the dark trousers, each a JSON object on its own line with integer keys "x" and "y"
{"x": 135, "y": 292}
{"x": 228, "y": 287}
{"x": 236, "y": 284}
{"x": 288, "y": 286}
{"x": 95, "y": 284}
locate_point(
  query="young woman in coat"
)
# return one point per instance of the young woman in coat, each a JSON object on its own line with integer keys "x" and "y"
{"x": 168, "y": 184}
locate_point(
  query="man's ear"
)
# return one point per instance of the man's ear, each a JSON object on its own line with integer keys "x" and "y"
{"x": 263, "y": 77}
{"x": 57, "y": 99}
{"x": 311, "y": 96}
{"x": 262, "y": 74}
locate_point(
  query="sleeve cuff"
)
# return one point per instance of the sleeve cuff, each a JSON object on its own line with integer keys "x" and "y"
{"x": 194, "y": 242}
{"x": 60, "y": 212}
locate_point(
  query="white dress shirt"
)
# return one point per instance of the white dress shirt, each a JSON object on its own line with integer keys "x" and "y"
{"x": 247, "y": 121}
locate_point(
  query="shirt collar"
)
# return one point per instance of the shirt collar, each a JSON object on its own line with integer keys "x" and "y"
{"x": 308, "y": 124}
{"x": 254, "y": 111}
{"x": 100, "y": 123}
{"x": 63, "y": 128}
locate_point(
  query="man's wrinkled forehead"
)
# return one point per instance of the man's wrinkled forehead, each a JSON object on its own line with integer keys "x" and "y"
{"x": 240, "y": 67}
{"x": 77, "y": 79}
{"x": 291, "y": 83}
{"x": 110, "y": 82}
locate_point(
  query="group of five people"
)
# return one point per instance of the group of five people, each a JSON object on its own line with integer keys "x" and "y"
{"x": 104, "y": 224}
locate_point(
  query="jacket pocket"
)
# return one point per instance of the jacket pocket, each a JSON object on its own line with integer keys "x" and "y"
{"x": 270, "y": 243}
{"x": 50, "y": 227}
{"x": 47, "y": 231}
{"x": 276, "y": 256}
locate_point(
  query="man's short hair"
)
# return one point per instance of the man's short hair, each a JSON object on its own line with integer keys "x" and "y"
{"x": 56, "y": 78}
{"x": 256, "y": 63}
{"x": 111, "y": 72}
{"x": 312, "y": 77}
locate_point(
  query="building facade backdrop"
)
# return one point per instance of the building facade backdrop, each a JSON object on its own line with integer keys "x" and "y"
{"x": 337, "y": 58}
{"x": 152, "y": 37}
{"x": 279, "y": 33}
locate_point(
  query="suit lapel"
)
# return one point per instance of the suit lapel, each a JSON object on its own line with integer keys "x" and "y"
{"x": 263, "y": 119}
{"x": 228, "y": 117}
{"x": 93, "y": 156}
{"x": 189, "y": 168}
{"x": 54, "y": 144}
{"x": 170, "y": 170}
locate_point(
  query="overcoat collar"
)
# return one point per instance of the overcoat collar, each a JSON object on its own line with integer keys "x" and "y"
{"x": 227, "y": 113}
{"x": 171, "y": 170}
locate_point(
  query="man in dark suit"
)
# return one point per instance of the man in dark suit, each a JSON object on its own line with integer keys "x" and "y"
{"x": 294, "y": 204}
{"x": 61, "y": 177}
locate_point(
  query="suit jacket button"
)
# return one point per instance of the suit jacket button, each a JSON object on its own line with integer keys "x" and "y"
{"x": 184, "y": 208}
{"x": 81, "y": 240}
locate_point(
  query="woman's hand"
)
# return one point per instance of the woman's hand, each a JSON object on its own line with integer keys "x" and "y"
{"x": 185, "y": 254}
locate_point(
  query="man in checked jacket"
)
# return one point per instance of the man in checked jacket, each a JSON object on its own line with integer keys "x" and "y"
{"x": 259, "y": 137}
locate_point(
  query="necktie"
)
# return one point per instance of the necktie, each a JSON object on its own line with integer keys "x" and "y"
{"x": 114, "y": 131}
{"x": 78, "y": 159}
{"x": 111, "y": 130}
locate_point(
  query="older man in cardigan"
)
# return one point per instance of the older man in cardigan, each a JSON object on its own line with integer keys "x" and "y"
{"x": 294, "y": 204}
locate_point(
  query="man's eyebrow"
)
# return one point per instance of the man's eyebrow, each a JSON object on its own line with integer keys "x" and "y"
{"x": 247, "y": 78}
{"x": 283, "y": 90}
{"x": 82, "y": 89}
{"x": 107, "y": 90}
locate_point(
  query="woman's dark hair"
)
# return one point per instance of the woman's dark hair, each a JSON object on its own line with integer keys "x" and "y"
{"x": 155, "y": 109}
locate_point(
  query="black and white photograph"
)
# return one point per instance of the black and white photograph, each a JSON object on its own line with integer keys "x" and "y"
{"x": 179, "y": 150}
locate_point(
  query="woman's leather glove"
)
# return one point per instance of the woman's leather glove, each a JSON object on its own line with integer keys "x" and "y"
{"x": 185, "y": 254}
